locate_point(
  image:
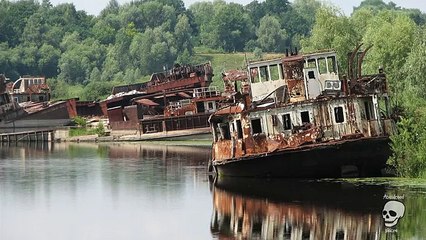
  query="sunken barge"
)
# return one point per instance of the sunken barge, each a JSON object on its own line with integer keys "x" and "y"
{"x": 297, "y": 117}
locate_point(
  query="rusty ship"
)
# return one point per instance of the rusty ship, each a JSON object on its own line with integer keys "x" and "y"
{"x": 25, "y": 106}
{"x": 298, "y": 116}
{"x": 175, "y": 104}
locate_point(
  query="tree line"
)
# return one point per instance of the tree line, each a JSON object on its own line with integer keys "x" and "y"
{"x": 126, "y": 42}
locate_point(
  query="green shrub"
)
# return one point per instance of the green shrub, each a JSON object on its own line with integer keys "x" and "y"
{"x": 100, "y": 129}
{"x": 80, "y": 121}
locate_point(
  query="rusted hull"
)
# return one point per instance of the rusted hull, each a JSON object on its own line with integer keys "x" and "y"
{"x": 59, "y": 114}
{"x": 351, "y": 158}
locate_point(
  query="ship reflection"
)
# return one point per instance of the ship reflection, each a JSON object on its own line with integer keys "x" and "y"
{"x": 282, "y": 209}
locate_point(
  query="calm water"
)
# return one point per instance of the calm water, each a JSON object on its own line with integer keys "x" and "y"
{"x": 152, "y": 191}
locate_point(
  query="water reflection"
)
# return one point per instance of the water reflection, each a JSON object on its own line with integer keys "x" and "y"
{"x": 292, "y": 209}
{"x": 295, "y": 210}
{"x": 155, "y": 191}
{"x": 105, "y": 191}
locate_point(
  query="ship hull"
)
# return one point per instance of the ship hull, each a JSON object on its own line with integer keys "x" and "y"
{"x": 56, "y": 115}
{"x": 364, "y": 157}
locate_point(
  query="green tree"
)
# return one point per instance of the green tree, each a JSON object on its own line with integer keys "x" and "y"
{"x": 79, "y": 60}
{"x": 391, "y": 33}
{"x": 332, "y": 30}
{"x": 183, "y": 33}
{"x": 48, "y": 58}
{"x": 13, "y": 19}
{"x": 229, "y": 29}
{"x": 270, "y": 36}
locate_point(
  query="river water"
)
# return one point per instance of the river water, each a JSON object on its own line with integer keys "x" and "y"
{"x": 158, "y": 191}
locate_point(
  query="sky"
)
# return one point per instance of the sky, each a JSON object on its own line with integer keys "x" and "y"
{"x": 95, "y": 6}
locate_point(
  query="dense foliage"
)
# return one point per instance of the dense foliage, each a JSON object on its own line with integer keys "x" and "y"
{"x": 85, "y": 56}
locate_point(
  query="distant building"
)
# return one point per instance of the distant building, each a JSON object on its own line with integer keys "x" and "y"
{"x": 30, "y": 89}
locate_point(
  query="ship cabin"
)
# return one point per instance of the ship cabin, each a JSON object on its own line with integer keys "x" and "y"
{"x": 30, "y": 89}
{"x": 301, "y": 100}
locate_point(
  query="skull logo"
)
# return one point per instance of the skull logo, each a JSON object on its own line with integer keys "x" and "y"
{"x": 392, "y": 212}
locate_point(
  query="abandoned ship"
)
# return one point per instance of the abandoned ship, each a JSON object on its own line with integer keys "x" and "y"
{"x": 24, "y": 105}
{"x": 174, "y": 103}
{"x": 296, "y": 116}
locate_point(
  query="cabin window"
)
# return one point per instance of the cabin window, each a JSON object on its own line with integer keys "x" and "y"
{"x": 311, "y": 64}
{"x": 338, "y": 114}
{"x": 274, "y": 120}
{"x": 275, "y": 75}
{"x": 305, "y": 117}
{"x": 332, "y": 66}
{"x": 282, "y": 71}
{"x": 287, "y": 121}
{"x": 255, "y": 78}
{"x": 28, "y": 98}
{"x": 264, "y": 75}
{"x": 322, "y": 65}
{"x": 41, "y": 98}
{"x": 256, "y": 126}
{"x": 210, "y": 105}
{"x": 224, "y": 131}
{"x": 367, "y": 110}
{"x": 239, "y": 129}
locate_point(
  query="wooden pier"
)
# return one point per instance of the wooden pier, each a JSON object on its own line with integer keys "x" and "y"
{"x": 28, "y": 136}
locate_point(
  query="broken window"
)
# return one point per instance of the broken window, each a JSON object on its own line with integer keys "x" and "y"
{"x": 282, "y": 71}
{"x": 210, "y": 105}
{"x": 338, "y": 114}
{"x": 264, "y": 75}
{"x": 256, "y": 125}
{"x": 224, "y": 131}
{"x": 322, "y": 66}
{"x": 287, "y": 121}
{"x": 305, "y": 117}
{"x": 255, "y": 78}
{"x": 332, "y": 66}
{"x": 274, "y": 120}
{"x": 311, "y": 63}
{"x": 239, "y": 129}
{"x": 275, "y": 75}
{"x": 367, "y": 110}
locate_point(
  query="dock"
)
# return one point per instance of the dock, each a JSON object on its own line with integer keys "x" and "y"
{"x": 28, "y": 136}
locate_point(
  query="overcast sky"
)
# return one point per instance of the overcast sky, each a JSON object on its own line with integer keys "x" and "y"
{"x": 95, "y": 6}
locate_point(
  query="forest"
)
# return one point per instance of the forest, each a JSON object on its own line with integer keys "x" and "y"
{"x": 84, "y": 56}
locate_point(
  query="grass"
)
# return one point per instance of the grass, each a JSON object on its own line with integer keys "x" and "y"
{"x": 222, "y": 62}
{"x": 74, "y": 132}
